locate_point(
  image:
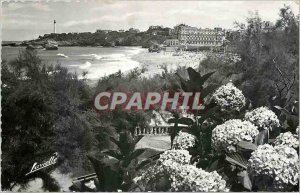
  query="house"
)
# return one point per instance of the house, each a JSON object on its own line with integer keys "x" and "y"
{"x": 133, "y": 30}
{"x": 105, "y": 31}
{"x": 172, "y": 42}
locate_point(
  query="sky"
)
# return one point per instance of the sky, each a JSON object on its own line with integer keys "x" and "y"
{"x": 25, "y": 21}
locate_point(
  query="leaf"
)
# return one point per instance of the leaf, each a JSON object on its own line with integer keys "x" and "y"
{"x": 184, "y": 83}
{"x": 193, "y": 75}
{"x": 205, "y": 77}
{"x": 209, "y": 89}
{"x": 185, "y": 121}
{"x": 108, "y": 173}
{"x": 143, "y": 163}
{"x": 113, "y": 153}
{"x": 296, "y": 105}
{"x": 293, "y": 121}
{"x": 208, "y": 113}
{"x": 137, "y": 153}
{"x": 172, "y": 120}
{"x": 248, "y": 146}
{"x": 138, "y": 138}
{"x": 245, "y": 180}
{"x": 278, "y": 107}
{"x": 163, "y": 184}
{"x": 237, "y": 159}
{"x": 115, "y": 141}
{"x": 216, "y": 165}
{"x": 284, "y": 111}
{"x": 270, "y": 141}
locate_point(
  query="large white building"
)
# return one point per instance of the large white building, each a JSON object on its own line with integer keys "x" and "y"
{"x": 198, "y": 37}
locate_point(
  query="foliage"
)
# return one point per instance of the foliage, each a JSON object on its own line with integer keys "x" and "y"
{"x": 269, "y": 58}
{"x": 289, "y": 115}
{"x": 101, "y": 38}
{"x": 231, "y": 165}
{"x": 115, "y": 170}
{"x": 44, "y": 111}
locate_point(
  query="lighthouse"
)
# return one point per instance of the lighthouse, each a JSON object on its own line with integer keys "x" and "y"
{"x": 54, "y": 26}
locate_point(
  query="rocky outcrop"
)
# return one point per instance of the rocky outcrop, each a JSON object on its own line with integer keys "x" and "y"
{"x": 33, "y": 47}
{"x": 51, "y": 45}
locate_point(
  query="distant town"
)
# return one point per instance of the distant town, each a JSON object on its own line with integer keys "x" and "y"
{"x": 155, "y": 38}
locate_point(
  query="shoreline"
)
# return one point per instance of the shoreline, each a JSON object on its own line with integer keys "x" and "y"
{"x": 154, "y": 62}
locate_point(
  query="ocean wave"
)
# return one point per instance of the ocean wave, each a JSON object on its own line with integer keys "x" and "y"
{"x": 93, "y": 56}
{"x": 114, "y": 57}
{"x": 85, "y": 66}
{"x": 111, "y": 67}
{"x": 134, "y": 51}
{"x": 62, "y": 55}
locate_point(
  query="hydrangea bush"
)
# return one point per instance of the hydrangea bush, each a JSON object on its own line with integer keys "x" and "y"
{"x": 183, "y": 140}
{"x": 180, "y": 177}
{"x": 278, "y": 165}
{"x": 263, "y": 118}
{"x": 227, "y": 135}
{"x": 229, "y": 98}
{"x": 288, "y": 139}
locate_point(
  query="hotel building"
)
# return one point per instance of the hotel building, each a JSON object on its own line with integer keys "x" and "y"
{"x": 197, "y": 37}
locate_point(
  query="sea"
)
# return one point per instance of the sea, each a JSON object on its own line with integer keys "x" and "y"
{"x": 97, "y": 61}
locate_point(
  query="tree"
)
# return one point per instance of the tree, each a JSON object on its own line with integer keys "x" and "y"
{"x": 269, "y": 58}
{"x": 45, "y": 109}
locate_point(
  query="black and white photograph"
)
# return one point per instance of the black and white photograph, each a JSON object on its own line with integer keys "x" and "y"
{"x": 150, "y": 96}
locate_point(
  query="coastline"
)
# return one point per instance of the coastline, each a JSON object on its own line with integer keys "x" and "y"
{"x": 130, "y": 58}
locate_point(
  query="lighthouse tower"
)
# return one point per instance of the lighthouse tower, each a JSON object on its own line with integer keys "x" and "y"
{"x": 54, "y": 27}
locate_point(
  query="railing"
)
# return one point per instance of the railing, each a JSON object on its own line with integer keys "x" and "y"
{"x": 155, "y": 130}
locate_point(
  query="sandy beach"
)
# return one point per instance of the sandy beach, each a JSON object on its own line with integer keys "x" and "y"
{"x": 153, "y": 62}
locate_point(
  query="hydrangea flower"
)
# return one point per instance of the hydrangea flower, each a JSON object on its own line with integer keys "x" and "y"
{"x": 181, "y": 178}
{"x": 297, "y": 130}
{"x": 288, "y": 139}
{"x": 178, "y": 156}
{"x": 229, "y": 98}
{"x": 262, "y": 117}
{"x": 184, "y": 140}
{"x": 189, "y": 178}
{"x": 227, "y": 135}
{"x": 279, "y": 163}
